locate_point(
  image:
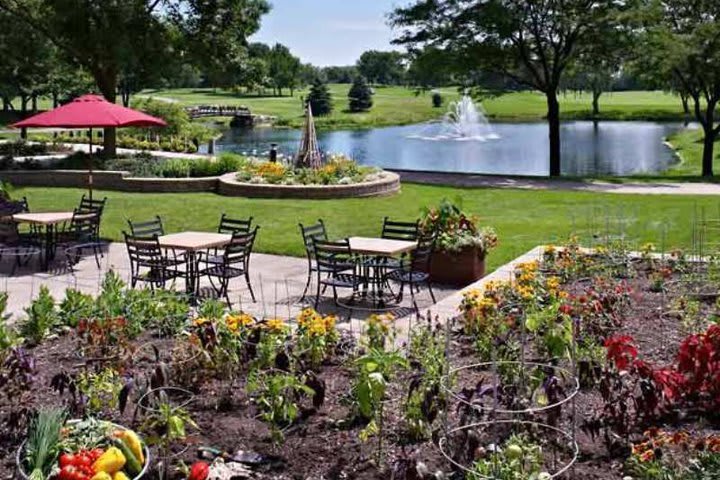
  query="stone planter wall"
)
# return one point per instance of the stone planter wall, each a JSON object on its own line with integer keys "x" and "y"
{"x": 389, "y": 184}
{"x": 225, "y": 185}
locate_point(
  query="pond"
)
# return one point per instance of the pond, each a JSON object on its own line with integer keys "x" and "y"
{"x": 588, "y": 148}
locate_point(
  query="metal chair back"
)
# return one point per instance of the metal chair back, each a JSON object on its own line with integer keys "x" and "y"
{"x": 333, "y": 257}
{"x": 240, "y": 247}
{"x": 90, "y": 205}
{"x": 85, "y": 226}
{"x": 310, "y": 233}
{"x": 148, "y": 228}
{"x": 393, "y": 230}
{"x": 422, "y": 255}
{"x": 233, "y": 226}
{"x": 143, "y": 251}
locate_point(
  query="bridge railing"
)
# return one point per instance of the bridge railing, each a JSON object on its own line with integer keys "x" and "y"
{"x": 217, "y": 111}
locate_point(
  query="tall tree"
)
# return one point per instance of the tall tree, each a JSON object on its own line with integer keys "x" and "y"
{"x": 284, "y": 69}
{"x": 384, "y": 68}
{"x": 360, "y": 95}
{"x": 529, "y": 41}
{"x": 319, "y": 98}
{"x": 682, "y": 47}
{"x": 109, "y": 38}
{"x": 217, "y": 32}
{"x": 429, "y": 67}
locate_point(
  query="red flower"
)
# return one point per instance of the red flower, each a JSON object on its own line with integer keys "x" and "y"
{"x": 621, "y": 351}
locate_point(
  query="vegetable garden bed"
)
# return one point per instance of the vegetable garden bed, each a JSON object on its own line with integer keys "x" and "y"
{"x": 499, "y": 387}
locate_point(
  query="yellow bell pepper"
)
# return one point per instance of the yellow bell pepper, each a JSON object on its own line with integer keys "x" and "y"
{"x": 102, "y": 476}
{"x": 111, "y": 461}
{"x": 120, "y": 476}
{"x": 133, "y": 442}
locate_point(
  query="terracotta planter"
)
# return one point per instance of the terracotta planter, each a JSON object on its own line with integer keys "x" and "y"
{"x": 457, "y": 268}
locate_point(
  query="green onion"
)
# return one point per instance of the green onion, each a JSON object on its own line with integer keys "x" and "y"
{"x": 42, "y": 445}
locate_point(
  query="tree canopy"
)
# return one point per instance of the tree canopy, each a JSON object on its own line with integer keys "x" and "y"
{"x": 681, "y": 47}
{"x": 384, "y": 68}
{"x": 531, "y": 42}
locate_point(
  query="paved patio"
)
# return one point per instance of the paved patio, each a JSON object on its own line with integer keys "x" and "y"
{"x": 278, "y": 283}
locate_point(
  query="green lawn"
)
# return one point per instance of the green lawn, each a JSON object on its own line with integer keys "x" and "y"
{"x": 399, "y": 105}
{"x": 689, "y": 146}
{"x": 523, "y": 219}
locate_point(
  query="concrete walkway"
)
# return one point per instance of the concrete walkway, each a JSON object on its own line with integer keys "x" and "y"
{"x": 277, "y": 281}
{"x": 524, "y": 183}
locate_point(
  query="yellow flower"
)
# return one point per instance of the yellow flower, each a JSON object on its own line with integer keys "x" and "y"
{"x": 317, "y": 328}
{"x": 553, "y": 283}
{"x": 307, "y": 317}
{"x": 235, "y": 322}
{"x": 270, "y": 169}
{"x": 550, "y": 249}
{"x": 201, "y": 321}
{"x": 275, "y": 325}
{"x": 330, "y": 322}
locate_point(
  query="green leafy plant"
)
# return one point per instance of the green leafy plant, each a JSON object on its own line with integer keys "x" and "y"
{"x": 101, "y": 390}
{"x": 8, "y": 337}
{"x": 276, "y": 395}
{"x": 41, "y": 317}
{"x": 42, "y": 446}
{"x": 454, "y": 230}
{"x": 425, "y": 398}
{"x": 519, "y": 458}
{"x": 374, "y": 372}
{"x": 76, "y": 306}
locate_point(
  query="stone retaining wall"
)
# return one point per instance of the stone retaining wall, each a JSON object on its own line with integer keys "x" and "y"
{"x": 225, "y": 185}
{"x": 389, "y": 184}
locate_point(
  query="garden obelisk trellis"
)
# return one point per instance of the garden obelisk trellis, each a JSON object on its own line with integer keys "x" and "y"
{"x": 309, "y": 154}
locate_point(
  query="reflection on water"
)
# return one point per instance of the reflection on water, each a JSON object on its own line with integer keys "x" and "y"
{"x": 588, "y": 148}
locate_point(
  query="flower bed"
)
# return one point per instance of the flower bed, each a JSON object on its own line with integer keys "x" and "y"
{"x": 337, "y": 170}
{"x": 304, "y": 399}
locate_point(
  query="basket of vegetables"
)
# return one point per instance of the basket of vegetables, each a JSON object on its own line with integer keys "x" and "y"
{"x": 89, "y": 449}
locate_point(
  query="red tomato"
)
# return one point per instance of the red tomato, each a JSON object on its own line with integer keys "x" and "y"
{"x": 67, "y": 473}
{"x": 83, "y": 459}
{"x": 66, "y": 459}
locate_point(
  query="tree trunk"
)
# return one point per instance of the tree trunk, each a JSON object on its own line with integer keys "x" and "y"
{"x": 55, "y": 99}
{"x": 34, "y": 103}
{"x": 596, "y": 102}
{"x": 107, "y": 83}
{"x": 686, "y": 106}
{"x": 708, "y": 152}
{"x": 553, "y": 118}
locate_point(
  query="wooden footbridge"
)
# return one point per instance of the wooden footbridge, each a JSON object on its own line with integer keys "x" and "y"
{"x": 241, "y": 115}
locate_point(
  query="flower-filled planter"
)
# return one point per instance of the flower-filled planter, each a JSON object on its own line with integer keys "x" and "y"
{"x": 460, "y": 245}
{"x": 457, "y": 268}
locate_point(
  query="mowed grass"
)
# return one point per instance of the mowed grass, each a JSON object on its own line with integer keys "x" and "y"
{"x": 400, "y": 105}
{"x": 630, "y": 105}
{"x": 523, "y": 219}
{"x": 391, "y": 105}
{"x": 689, "y": 146}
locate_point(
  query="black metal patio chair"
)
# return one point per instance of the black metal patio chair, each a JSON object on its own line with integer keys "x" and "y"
{"x": 89, "y": 205}
{"x": 415, "y": 274}
{"x": 18, "y": 246}
{"x": 83, "y": 234}
{"x": 234, "y": 263}
{"x": 148, "y": 228}
{"x": 309, "y": 234}
{"x": 336, "y": 267}
{"x": 232, "y": 226}
{"x": 148, "y": 263}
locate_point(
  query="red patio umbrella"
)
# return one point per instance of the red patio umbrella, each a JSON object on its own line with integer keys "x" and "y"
{"x": 90, "y": 111}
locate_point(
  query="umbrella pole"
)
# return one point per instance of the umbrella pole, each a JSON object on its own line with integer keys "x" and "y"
{"x": 90, "y": 179}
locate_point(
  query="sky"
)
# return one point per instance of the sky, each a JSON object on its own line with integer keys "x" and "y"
{"x": 329, "y": 32}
